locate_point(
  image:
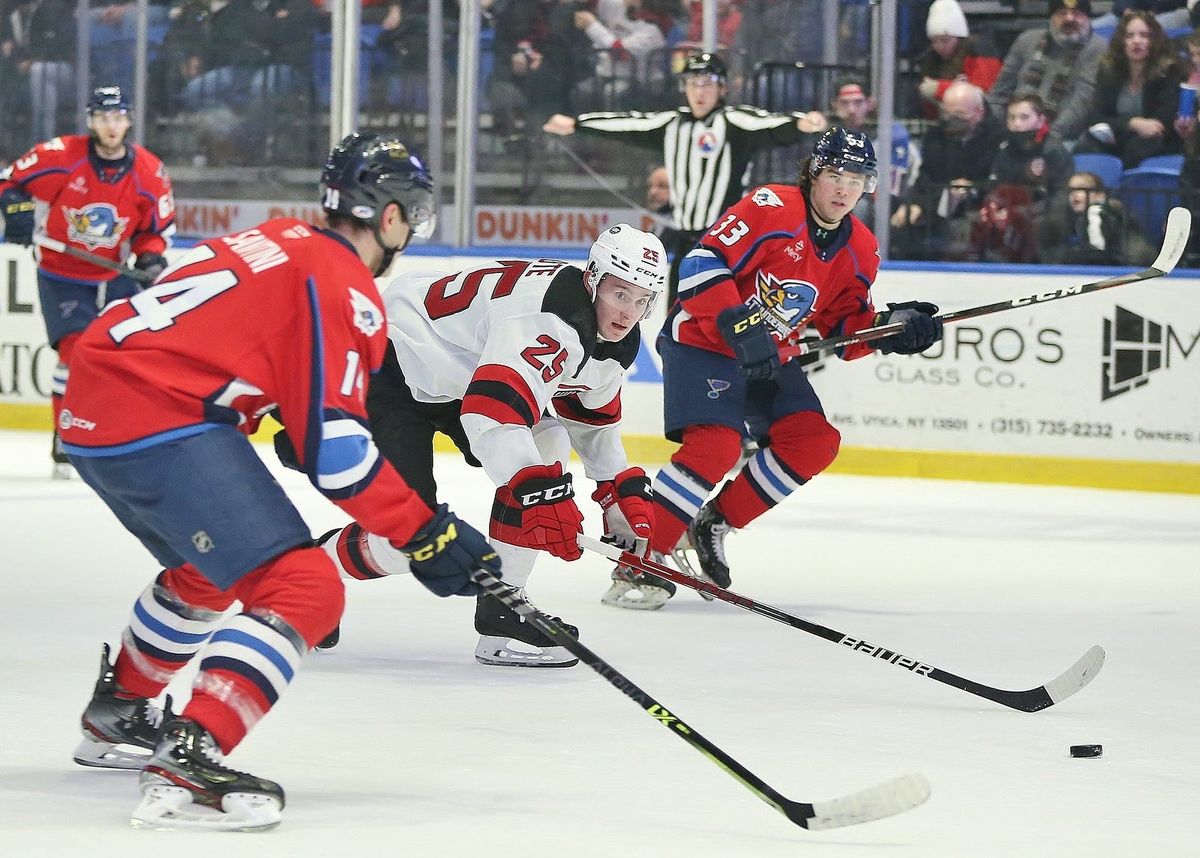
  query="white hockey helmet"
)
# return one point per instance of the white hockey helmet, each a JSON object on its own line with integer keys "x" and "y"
{"x": 636, "y": 257}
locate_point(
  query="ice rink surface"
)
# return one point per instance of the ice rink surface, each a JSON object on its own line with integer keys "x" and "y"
{"x": 398, "y": 743}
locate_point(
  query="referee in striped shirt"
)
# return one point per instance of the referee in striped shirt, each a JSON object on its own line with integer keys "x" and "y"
{"x": 707, "y": 147}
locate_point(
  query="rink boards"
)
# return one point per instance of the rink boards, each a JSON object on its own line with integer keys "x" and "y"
{"x": 1100, "y": 390}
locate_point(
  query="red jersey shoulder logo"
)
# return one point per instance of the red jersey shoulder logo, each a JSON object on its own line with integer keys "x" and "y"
{"x": 367, "y": 317}
{"x": 766, "y": 197}
{"x": 788, "y": 303}
{"x": 95, "y": 225}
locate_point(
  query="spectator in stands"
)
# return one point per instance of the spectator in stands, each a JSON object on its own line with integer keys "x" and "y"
{"x": 953, "y": 54}
{"x": 114, "y": 37}
{"x": 42, "y": 51}
{"x": 960, "y": 148}
{"x": 628, "y": 52}
{"x": 658, "y": 202}
{"x": 1058, "y": 64}
{"x": 1192, "y": 45}
{"x": 1137, "y": 93}
{"x": 785, "y": 31}
{"x": 540, "y": 56}
{"x": 1002, "y": 229}
{"x": 1086, "y": 226}
{"x": 1028, "y": 157}
{"x": 729, "y": 20}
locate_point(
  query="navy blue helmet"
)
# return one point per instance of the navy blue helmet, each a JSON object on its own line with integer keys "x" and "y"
{"x": 106, "y": 98}
{"x": 845, "y": 151}
{"x": 365, "y": 172}
{"x": 705, "y": 63}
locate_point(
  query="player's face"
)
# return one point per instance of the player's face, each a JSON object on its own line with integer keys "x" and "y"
{"x": 620, "y": 306}
{"x": 835, "y": 194}
{"x": 110, "y": 128}
{"x": 703, "y": 91}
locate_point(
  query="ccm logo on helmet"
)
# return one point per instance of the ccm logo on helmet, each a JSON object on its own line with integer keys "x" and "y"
{"x": 552, "y": 494}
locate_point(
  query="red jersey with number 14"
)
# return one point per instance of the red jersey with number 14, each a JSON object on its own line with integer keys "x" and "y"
{"x": 280, "y": 316}
{"x": 762, "y": 253}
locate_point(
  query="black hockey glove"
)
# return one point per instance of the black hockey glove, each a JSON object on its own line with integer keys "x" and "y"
{"x": 446, "y": 551}
{"x": 756, "y": 350}
{"x": 151, "y": 263}
{"x": 18, "y": 216}
{"x": 286, "y": 451}
{"x": 922, "y": 328}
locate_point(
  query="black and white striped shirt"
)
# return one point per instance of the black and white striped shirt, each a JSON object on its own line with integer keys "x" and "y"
{"x": 708, "y": 160}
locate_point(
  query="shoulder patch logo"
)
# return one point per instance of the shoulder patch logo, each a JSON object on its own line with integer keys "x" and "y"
{"x": 367, "y": 317}
{"x": 766, "y": 197}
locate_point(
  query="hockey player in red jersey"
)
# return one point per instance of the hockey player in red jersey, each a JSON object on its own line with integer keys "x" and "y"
{"x": 783, "y": 258}
{"x": 282, "y": 318}
{"x": 94, "y": 192}
{"x": 519, "y": 363}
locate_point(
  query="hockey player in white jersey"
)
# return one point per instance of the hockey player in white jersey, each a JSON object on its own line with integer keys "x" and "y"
{"x": 518, "y": 362}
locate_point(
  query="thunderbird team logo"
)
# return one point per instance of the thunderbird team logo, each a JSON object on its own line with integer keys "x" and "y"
{"x": 367, "y": 317}
{"x": 766, "y": 197}
{"x": 95, "y": 225}
{"x": 788, "y": 303}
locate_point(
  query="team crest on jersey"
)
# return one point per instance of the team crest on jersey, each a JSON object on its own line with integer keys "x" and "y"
{"x": 766, "y": 197}
{"x": 95, "y": 225}
{"x": 706, "y": 142}
{"x": 788, "y": 303}
{"x": 717, "y": 386}
{"x": 367, "y": 317}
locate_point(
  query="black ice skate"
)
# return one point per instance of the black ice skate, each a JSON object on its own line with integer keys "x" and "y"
{"x": 186, "y": 785}
{"x": 330, "y": 640}
{"x": 507, "y": 640}
{"x": 63, "y": 469}
{"x": 118, "y": 733}
{"x": 638, "y": 591}
{"x": 707, "y": 534}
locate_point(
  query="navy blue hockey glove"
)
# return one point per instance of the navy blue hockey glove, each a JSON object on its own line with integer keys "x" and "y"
{"x": 756, "y": 350}
{"x": 286, "y": 451}
{"x": 18, "y": 216}
{"x": 151, "y": 263}
{"x": 922, "y": 328}
{"x": 446, "y": 551}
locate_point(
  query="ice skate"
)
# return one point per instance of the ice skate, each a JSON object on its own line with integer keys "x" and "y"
{"x": 707, "y": 536}
{"x": 330, "y": 640}
{"x": 638, "y": 591}
{"x": 118, "y": 733}
{"x": 63, "y": 469}
{"x": 186, "y": 785}
{"x": 507, "y": 640}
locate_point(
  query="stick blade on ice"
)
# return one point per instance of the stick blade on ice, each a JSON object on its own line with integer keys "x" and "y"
{"x": 877, "y": 802}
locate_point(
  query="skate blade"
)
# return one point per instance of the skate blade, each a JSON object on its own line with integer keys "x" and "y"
{"x": 98, "y": 754}
{"x": 625, "y": 594}
{"x": 170, "y": 808}
{"x": 502, "y": 652}
{"x": 684, "y": 562}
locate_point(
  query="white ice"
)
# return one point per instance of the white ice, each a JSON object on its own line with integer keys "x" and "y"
{"x": 398, "y": 743}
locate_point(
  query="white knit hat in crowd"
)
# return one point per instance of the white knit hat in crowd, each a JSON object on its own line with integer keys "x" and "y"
{"x": 946, "y": 18}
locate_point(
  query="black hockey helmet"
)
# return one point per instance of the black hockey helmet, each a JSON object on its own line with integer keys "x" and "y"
{"x": 107, "y": 98}
{"x": 365, "y": 172}
{"x": 845, "y": 151}
{"x": 706, "y": 64}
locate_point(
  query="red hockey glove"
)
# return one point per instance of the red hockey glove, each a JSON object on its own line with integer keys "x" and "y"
{"x": 628, "y": 518}
{"x": 537, "y": 510}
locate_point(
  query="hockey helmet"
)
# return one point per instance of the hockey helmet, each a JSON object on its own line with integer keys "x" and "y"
{"x": 846, "y": 151}
{"x": 105, "y": 99}
{"x": 636, "y": 257}
{"x": 365, "y": 172}
{"x": 705, "y": 64}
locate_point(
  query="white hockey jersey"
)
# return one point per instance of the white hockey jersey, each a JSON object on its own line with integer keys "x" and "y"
{"x": 512, "y": 339}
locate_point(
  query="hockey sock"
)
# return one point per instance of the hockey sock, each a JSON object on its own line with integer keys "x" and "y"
{"x": 801, "y": 446}
{"x": 288, "y": 605}
{"x": 684, "y": 484}
{"x": 167, "y": 628}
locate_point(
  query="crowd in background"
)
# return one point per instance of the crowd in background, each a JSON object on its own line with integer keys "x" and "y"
{"x": 1022, "y": 152}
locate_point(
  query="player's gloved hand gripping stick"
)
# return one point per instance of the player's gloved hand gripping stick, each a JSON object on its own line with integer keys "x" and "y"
{"x": 1179, "y": 227}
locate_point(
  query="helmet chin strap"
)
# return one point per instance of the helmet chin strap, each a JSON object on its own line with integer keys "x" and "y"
{"x": 389, "y": 253}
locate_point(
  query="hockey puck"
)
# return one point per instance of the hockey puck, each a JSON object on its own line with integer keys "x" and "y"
{"x": 1087, "y": 750}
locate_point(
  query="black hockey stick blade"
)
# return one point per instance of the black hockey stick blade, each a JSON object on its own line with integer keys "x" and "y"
{"x": 876, "y": 802}
{"x": 1175, "y": 239}
{"x": 1032, "y": 700}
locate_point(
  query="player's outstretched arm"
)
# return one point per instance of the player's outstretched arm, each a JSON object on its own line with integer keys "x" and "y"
{"x": 446, "y": 551}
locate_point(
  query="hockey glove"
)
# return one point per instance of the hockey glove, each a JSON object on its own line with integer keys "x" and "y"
{"x": 537, "y": 510}
{"x": 151, "y": 263}
{"x": 628, "y": 518}
{"x": 446, "y": 551}
{"x": 756, "y": 350}
{"x": 18, "y": 216}
{"x": 922, "y": 328}
{"x": 286, "y": 451}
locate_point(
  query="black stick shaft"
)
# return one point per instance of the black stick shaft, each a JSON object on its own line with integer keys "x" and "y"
{"x": 98, "y": 261}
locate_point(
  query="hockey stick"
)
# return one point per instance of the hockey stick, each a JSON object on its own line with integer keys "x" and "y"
{"x": 1033, "y": 700}
{"x": 99, "y": 261}
{"x": 884, "y": 799}
{"x": 1179, "y": 227}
